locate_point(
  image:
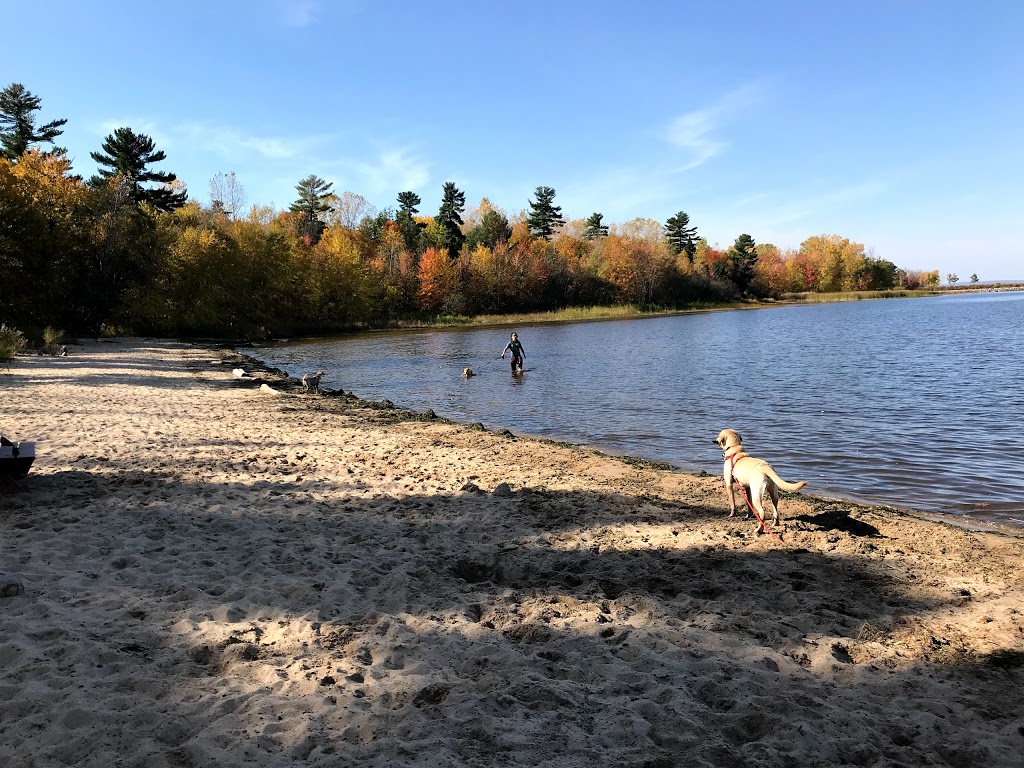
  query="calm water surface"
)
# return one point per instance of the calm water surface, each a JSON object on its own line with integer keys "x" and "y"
{"x": 907, "y": 402}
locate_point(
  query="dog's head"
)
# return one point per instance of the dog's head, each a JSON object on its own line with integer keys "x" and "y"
{"x": 728, "y": 438}
{"x": 467, "y": 372}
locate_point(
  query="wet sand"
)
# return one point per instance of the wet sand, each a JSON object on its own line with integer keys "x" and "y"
{"x": 200, "y": 572}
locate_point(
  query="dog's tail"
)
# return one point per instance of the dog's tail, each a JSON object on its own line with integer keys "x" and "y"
{"x": 788, "y": 487}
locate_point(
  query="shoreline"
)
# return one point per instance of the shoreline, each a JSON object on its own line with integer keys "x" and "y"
{"x": 212, "y": 574}
{"x": 960, "y": 520}
{"x": 572, "y": 314}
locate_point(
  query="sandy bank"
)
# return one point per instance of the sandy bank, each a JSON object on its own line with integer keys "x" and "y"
{"x": 217, "y": 576}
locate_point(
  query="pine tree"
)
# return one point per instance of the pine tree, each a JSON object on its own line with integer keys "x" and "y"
{"x": 544, "y": 217}
{"x": 127, "y": 155}
{"x": 595, "y": 229}
{"x": 492, "y": 229}
{"x": 449, "y": 219}
{"x": 314, "y": 194}
{"x": 411, "y": 229}
{"x": 17, "y": 123}
{"x": 407, "y": 202}
{"x": 740, "y": 260}
{"x": 681, "y": 237}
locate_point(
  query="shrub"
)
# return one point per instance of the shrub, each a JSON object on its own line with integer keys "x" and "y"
{"x": 12, "y": 341}
{"x": 53, "y": 340}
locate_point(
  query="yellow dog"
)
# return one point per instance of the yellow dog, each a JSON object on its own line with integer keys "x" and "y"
{"x": 761, "y": 482}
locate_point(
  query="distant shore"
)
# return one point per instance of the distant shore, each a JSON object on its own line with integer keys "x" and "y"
{"x": 204, "y": 570}
{"x": 620, "y": 312}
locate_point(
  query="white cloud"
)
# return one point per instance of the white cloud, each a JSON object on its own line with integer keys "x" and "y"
{"x": 394, "y": 170}
{"x": 232, "y": 143}
{"x": 692, "y": 132}
{"x": 298, "y": 13}
{"x": 617, "y": 193}
{"x": 811, "y": 203}
{"x": 697, "y": 132}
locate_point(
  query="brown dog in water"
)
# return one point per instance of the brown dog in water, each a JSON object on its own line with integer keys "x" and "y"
{"x": 760, "y": 481}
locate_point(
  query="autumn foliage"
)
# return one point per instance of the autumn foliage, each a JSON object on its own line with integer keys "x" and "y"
{"x": 83, "y": 258}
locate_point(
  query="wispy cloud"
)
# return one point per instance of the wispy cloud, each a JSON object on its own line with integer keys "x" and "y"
{"x": 394, "y": 170}
{"x": 298, "y": 13}
{"x": 786, "y": 208}
{"x": 618, "y": 193}
{"x": 225, "y": 141}
{"x": 787, "y": 217}
{"x": 698, "y": 133}
{"x": 232, "y": 143}
{"x": 138, "y": 125}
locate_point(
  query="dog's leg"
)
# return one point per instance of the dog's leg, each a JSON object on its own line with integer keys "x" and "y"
{"x": 769, "y": 503}
{"x": 757, "y": 491}
{"x": 727, "y": 476}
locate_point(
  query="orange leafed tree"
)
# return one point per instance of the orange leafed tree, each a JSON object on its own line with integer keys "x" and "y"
{"x": 637, "y": 268}
{"x": 439, "y": 279}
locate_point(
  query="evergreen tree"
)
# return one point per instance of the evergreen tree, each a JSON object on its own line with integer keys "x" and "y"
{"x": 17, "y": 123}
{"x": 595, "y": 229}
{"x": 374, "y": 226}
{"x": 407, "y": 202}
{"x": 449, "y": 219}
{"x": 492, "y": 229}
{"x": 314, "y": 200}
{"x": 411, "y": 229}
{"x": 739, "y": 262}
{"x": 682, "y": 238}
{"x": 127, "y": 155}
{"x": 544, "y": 217}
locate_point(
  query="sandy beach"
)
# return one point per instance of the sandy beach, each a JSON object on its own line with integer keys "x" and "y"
{"x": 200, "y": 572}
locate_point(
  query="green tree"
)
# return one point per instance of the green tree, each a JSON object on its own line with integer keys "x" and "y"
{"x": 682, "y": 238}
{"x": 407, "y": 202}
{"x": 449, "y": 219}
{"x": 492, "y": 229}
{"x": 412, "y": 230}
{"x": 17, "y": 122}
{"x": 952, "y": 278}
{"x": 544, "y": 217}
{"x": 595, "y": 228}
{"x": 121, "y": 259}
{"x": 974, "y": 279}
{"x": 739, "y": 261}
{"x": 373, "y": 226}
{"x": 314, "y": 200}
{"x": 128, "y": 155}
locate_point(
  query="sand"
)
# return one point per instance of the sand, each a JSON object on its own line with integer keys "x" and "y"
{"x": 202, "y": 572}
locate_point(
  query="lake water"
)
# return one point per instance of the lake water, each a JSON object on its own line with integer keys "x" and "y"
{"x": 914, "y": 403}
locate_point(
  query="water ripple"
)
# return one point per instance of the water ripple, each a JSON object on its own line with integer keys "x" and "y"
{"x": 908, "y": 402}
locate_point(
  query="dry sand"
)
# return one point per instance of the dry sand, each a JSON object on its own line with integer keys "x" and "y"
{"x": 214, "y": 575}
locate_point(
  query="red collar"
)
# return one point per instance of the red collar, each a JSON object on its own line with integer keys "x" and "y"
{"x": 733, "y": 459}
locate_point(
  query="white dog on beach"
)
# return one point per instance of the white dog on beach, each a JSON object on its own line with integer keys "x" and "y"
{"x": 311, "y": 382}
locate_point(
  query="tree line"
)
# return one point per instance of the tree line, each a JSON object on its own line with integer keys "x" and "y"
{"x": 127, "y": 251}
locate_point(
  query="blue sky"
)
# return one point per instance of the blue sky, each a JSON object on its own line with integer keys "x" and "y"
{"x": 897, "y": 124}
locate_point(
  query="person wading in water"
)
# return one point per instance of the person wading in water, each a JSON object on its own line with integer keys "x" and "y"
{"x": 518, "y": 353}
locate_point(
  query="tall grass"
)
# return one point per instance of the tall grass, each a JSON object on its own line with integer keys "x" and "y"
{"x": 566, "y": 315}
{"x": 823, "y": 298}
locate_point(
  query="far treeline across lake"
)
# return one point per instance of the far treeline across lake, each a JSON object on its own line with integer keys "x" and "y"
{"x": 126, "y": 251}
